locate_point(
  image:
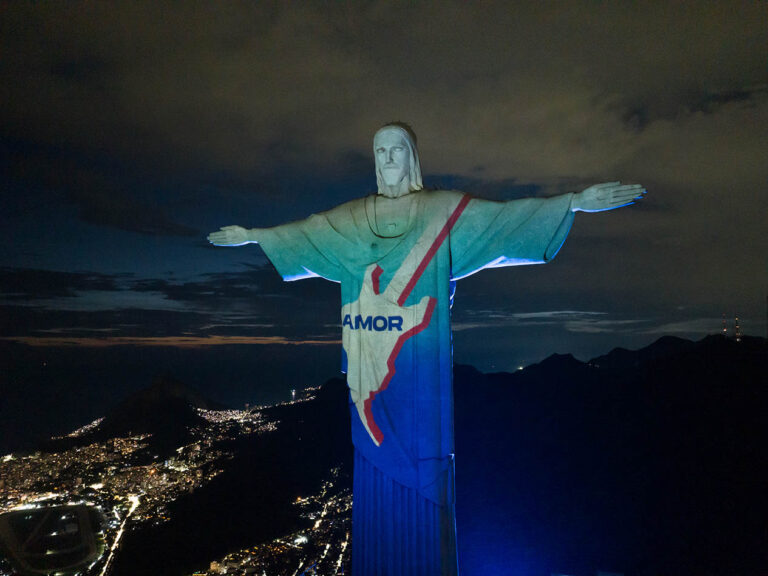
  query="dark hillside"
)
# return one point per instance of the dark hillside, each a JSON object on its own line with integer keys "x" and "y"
{"x": 652, "y": 461}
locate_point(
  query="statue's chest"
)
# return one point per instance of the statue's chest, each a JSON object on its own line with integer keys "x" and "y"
{"x": 392, "y": 218}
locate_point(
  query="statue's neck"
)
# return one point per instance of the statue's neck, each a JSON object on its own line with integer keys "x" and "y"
{"x": 398, "y": 190}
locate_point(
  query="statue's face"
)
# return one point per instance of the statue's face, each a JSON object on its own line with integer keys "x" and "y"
{"x": 393, "y": 158}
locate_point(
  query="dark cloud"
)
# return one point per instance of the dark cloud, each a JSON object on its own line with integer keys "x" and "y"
{"x": 103, "y": 190}
{"x": 531, "y": 92}
{"x": 102, "y": 204}
{"x": 40, "y": 322}
{"x": 633, "y": 50}
{"x": 254, "y": 302}
{"x": 29, "y": 284}
{"x": 638, "y": 116}
{"x": 254, "y": 296}
{"x": 250, "y": 283}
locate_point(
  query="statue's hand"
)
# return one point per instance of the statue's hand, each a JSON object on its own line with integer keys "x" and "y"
{"x": 230, "y": 236}
{"x": 606, "y": 196}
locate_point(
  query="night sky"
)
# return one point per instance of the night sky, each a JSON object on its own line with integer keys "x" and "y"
{"x": 128, "y": 131}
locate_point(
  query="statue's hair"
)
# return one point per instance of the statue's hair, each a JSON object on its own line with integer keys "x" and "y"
{"x": 414, "y": 174}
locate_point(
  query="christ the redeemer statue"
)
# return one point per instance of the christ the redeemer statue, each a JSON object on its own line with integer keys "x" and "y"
{"x": 397, "y": 256}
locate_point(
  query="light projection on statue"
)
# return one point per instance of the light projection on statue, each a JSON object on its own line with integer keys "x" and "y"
{"x": 389, "y": 322}
{"x": 397, "y": 255}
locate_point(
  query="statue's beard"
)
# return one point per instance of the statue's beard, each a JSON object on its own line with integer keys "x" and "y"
{"x": 393, "y": 175}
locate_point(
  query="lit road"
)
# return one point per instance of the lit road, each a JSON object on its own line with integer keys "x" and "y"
{"x": 134, "y": 504}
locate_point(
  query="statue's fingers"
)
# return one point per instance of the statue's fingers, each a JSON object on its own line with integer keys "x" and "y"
{"x": 625, "y": 193}
{"x": 631, "y": 195}
{"x": 636, "y": 193}
{"x": 627, "y": 187}
{"x": 622, "y": 201}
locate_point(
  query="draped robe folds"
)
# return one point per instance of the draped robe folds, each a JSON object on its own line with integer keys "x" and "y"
{"x": 396, "y": 295}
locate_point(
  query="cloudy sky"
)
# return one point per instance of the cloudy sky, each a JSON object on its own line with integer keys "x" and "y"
{"x": 128, "y": 131}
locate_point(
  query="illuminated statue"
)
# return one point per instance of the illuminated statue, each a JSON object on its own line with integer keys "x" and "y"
{"x": 397, "y": 256}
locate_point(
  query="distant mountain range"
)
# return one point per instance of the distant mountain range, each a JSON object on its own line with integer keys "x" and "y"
{"x": 652, "y": 461}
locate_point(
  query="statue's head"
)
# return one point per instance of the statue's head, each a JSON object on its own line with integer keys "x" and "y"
{"x": 398, "y": 171}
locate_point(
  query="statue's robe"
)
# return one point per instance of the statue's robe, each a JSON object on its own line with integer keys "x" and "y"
{"x": 396, "y": 297}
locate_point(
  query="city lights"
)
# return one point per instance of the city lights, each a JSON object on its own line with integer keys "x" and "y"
{"x": 321, "y": 549}
{"x": 121, "y": 476}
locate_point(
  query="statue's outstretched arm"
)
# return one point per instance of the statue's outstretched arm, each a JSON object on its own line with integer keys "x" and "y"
{"x": 232, "y": 236}
{"x": 606, "y": 196}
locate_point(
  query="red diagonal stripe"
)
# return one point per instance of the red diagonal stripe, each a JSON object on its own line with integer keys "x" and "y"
{"x": 433, "y": 250}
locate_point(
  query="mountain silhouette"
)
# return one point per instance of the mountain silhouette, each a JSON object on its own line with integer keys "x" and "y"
{"x": 167, "y": 409}
{"x": 637, "y": 462}
{"x": 622, "y": 359}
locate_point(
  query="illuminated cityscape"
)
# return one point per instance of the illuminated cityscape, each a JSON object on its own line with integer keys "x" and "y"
{"x": 321, "y": 549}
{"x": 66, "y": 511}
